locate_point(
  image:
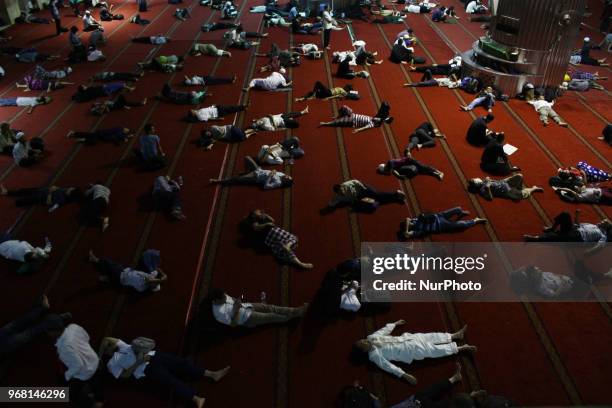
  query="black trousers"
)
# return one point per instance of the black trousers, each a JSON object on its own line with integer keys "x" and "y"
{"x": 58, "y": 26}
{"x": 224, "y": 110}
{"x": 80, "y": 390}
{"x": 326, "y": 37}
{"x": 29, "y": 196}
{"x": 319, "y": 91}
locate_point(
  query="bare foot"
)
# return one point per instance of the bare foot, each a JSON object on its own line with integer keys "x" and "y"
{"x": 3, "y": 190}
{"x": 44, "y": 302}
{"x": 459, "y": 335}
{"x": 105, "y": 224}
{"x": 217, "y": 375}
{"x": 92, "y": 257}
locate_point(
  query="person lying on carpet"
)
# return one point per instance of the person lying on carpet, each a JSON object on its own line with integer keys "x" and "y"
{"x": 388, "y": 17}
{"x": 444, "y": 15}
{"x": 149, "y": 279}
{"x": 279, "y": 58}
{"x": 427, "y": 80}
{"x": 280, "y": 121}
{"x": 28, "y": 55}
{"x": 232, "y": 312}
{"x": 228, "y": 11}
{"x": 120, "y": 102}
{"x": 363, "y": 56}
{"x": 42, "y": 73}
{"x": 149, "y": 151}
{"x": 347, "y": 118}
{"x": 580, "y": 85}
{"x": 361, "y": 197}
{"x": 153, "y": 39}
{"x": 52, "y": 197}
{"x": 32, "y": 83}
{"x": 588, "y": 173}
{"x": 199, "y": 49}
{"x": 87, "y": 93}
{"x": 545, "y": 110}
{"x": 309, "y": 50}
{"x": 511, "y": 188}
{"x": 566, "y": 230}
{"x": 453, "y": 67}
{"x": 117, "y": 76}
{"x": 423, "y": 7}
{"x": 207, "y": 80}
{"x": 426, "y": 224}
{"x": 486, "y": 99}
{"x": 288, "y": 149}
{"x": 383, "y": 348}
{"x": 30, "y": 101}
{"x": 30, "y": 257}
{"x": 262, "y": 229}
{"x": 114, "y": 135}
{"x": 7, "y": 138}
{"x": 226, "y": 133}
{"x": 274, "y": 81}
{"x": 403, "y": 53}
{"x": 158, "y": 368}
{"x": 238, "y": 38}
{"x": 27, "y": 153}
{"x": 182, "y": 14}
{"x": 606, "y": 135}
{"x": 552, "y": 285}
{"x": 274, "y": 20}
{"x": 423, "y": 136}
{"x": 213, "y": 112}
{"x": 28, "y": 327}
{"x": 297, "y": 27}
{"x": 219, "y": 25}
{"x": 163, "y": 63}
{"x": 255, "y": 175}
{"x": 590, "y": 195}
{"x": 494, "y": 159}
{"x": 166, "y": 196}
{"x": 97, "y": 199}
{"x": 320, "y": 91}
{"x": 407, "y": 167}
{"x": 478, "y": 133}
{"x": 181, "y": 97}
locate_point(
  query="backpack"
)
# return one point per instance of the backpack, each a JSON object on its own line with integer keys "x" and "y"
{"x": 142, "y": 345}
{"x": 355, "y": 397}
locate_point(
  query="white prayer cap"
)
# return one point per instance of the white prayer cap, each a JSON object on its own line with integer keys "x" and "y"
{"x": 359, "y": 43}
{"x": 381, "y": 168}
{"x": 282, "y": 70}
{"x": 564, "y": 84}
{"x": 529, "y": 86}
{"x": 587, "y": 39}
{"x": 87, "y": 12}
{"x": 19, "y": 135}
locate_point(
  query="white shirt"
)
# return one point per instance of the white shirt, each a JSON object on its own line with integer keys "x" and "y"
{"x": 551, "y": 284}
{"x": 274, "y": 81}
{"x": 88, "y": 20}
{"x": 349, "y": 300}
{"x": 138, "y": 279}
{"x": 541, "y": 103}
{"x": 472, "y": 6}
{"x": 123, "y": 359}
{"x": 447, "y": 82}
{"x": 27, "y": 101}
{"x": 223, "y": 312}
{"x": 307, "y": 48}
{"x": 271, "y": 154}
{"x": 413, "y": 8}
{"x": 342, "y": 55}
{"x": 206, "y": 114}
{"x": 94, "y": 55}
{"x": 15, "y": 250}
{"x": 328, "y": 21}
{"x": 77, "y": 355}
{"x": 20, "y": 152}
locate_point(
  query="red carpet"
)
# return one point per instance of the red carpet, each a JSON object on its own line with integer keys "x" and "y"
{"x": 537, "y": 354}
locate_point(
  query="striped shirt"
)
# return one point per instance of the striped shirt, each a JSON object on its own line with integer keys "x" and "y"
{"x": 99, "y": 191}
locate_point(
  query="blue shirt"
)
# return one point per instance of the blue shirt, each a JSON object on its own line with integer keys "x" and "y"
{"x": 148, "y": 146}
